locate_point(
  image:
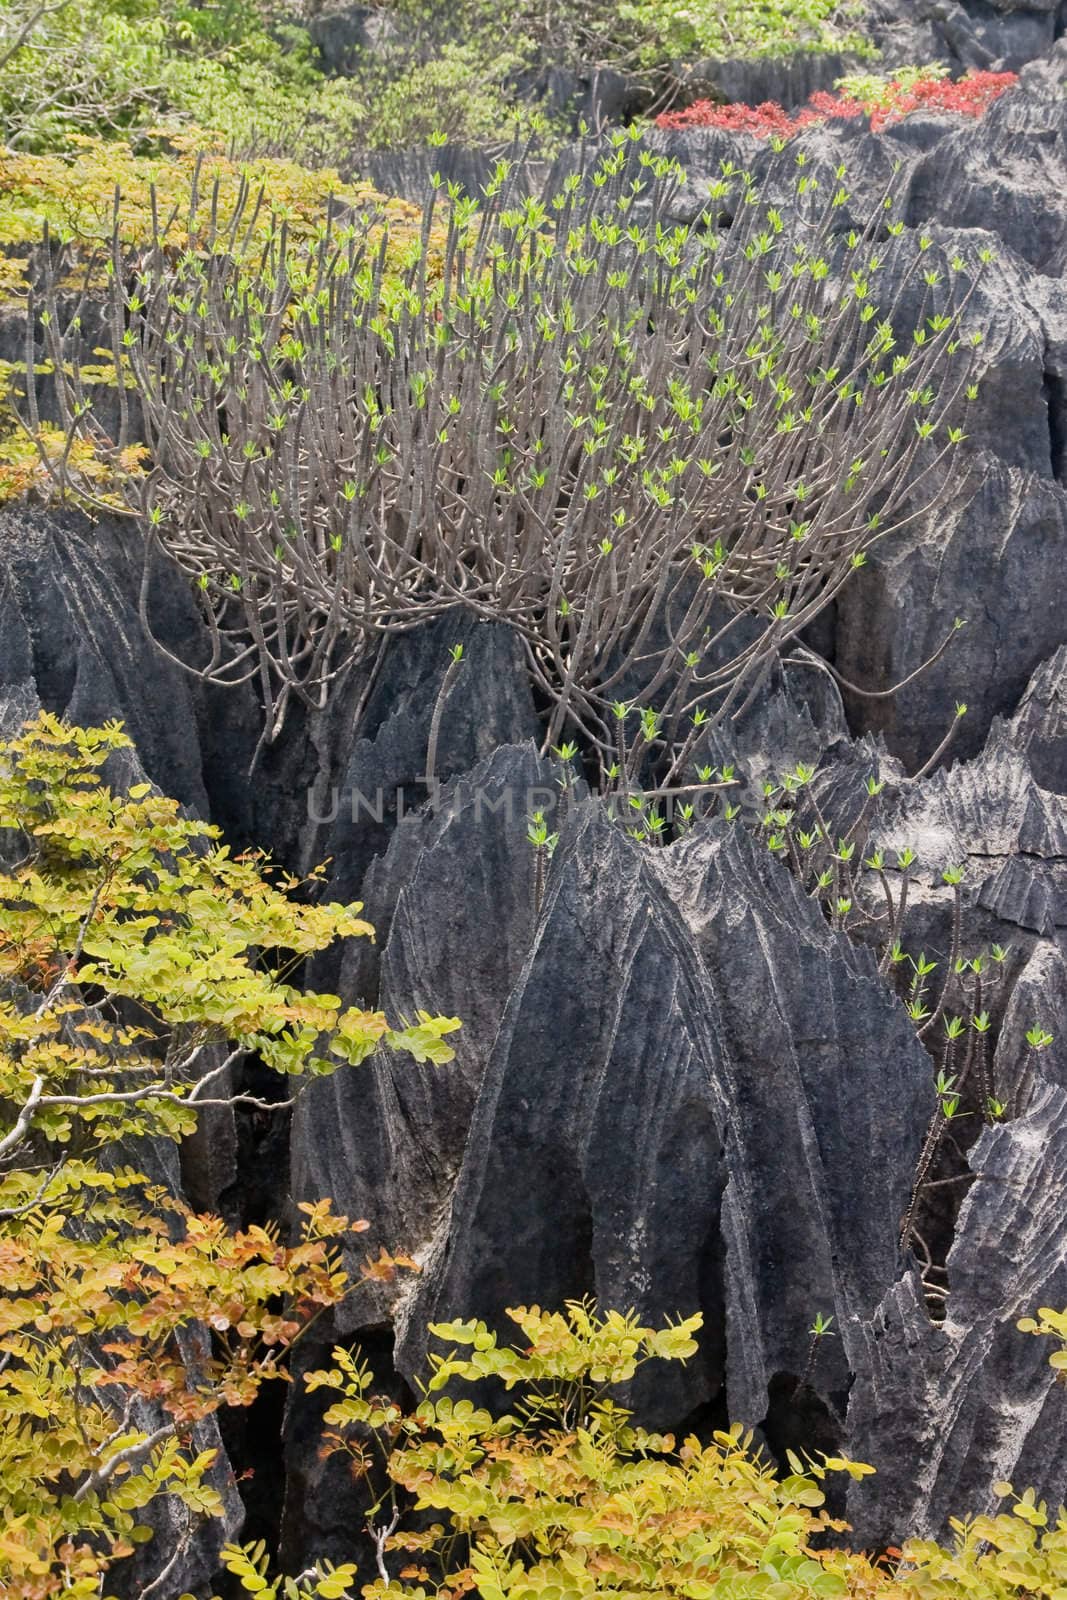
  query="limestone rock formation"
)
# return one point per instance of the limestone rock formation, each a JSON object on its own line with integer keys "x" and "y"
{"x": 677, "y": 1087}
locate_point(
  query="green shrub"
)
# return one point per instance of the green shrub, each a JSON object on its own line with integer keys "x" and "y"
{"x": 456, "y": 67}
{"x": 561, "y": 1497}
{"x": 646, "y": 420}
{"x": 638, "y": 32}
{"x": 111, "y": 66}
{"x": 743, "y": 28}
{"x": 140, "y": 963}
{"x": 1013, "y": 1556}
{"x": 461, "y": 92}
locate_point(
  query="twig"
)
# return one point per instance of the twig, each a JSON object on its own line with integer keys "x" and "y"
{"x": 928, "y": 766}
{"x": 380, "y": 1537}
{"x": 438, "y": 710}
{"x": 102, "y": 1475}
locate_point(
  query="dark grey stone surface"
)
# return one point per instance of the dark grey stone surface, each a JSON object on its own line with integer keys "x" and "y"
{"x": 945, "y": 1411}
{"x": 676, "y": 1087}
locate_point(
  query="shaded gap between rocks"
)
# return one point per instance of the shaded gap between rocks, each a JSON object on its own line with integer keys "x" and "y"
{"x": 1055, "y": 390}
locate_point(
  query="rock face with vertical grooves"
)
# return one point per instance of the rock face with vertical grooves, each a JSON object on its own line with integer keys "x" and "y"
{"x": 452, "y": 901}
{"x": 71, "y": 640}
{"x": 680, "y": 1079}
{"x": 944, "y": 1411}
{"x": 670, "y": 1115}
{"x": 1040, "y": 725}
{"x": 991, "y": 816}
{"x": 1001, "y": 817}
{"x": 994, "y": 560}
{"x": 660, "y": 1105}
{"x": 676, "y": 1087}
{"x": 662, "y": 1097}
{"x": 965, "y": 34}
{"x": 382, "y": 773}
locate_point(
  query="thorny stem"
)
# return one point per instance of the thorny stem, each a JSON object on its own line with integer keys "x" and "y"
{"x": 887, "y": 954}
{"x": 540, "y": 853}
{"x": 969, "y": 1060}
{"x": 934, "y": 1135}
{"x": 809, "y": 1365}
{"x": 985, "y": 1086}
{"x": 898, "y": 923}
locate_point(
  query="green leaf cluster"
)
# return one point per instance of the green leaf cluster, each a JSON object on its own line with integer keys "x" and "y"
{"x": 140, "y": 961}
{"x": 122, "y": 66}
{"x": 562, "y": 1495}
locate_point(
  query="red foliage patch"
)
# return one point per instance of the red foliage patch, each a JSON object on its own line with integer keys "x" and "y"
{"x": 968, "y": 97}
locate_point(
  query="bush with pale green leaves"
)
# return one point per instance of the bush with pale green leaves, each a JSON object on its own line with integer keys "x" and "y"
{"x": 458, "y": 67}
{"x": 121, "y": 66}
{"x": 552, "y": 1492}
{"x": 249, "y": 69}
{"x": 142, "y": 964}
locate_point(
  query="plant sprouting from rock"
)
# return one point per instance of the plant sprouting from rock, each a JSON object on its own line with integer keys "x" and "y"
{"x": 655, "y": 451}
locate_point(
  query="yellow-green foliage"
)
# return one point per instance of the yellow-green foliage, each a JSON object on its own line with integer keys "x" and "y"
{"x": 100, "y": 1274}
{"x": 560, "y": 1497}
{"x": 879, "y": 91}
{"x": 26, "y": 463}
{"x": 73, "y": 194}
{"x": 132, "y": 959}
{"x": 122, "y": 892}
{"x": 1051, "y": 1324}
{"x": 1014, "y": 1556}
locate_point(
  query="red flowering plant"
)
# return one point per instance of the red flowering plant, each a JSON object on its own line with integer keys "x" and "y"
{"x": 884, "y": 101}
